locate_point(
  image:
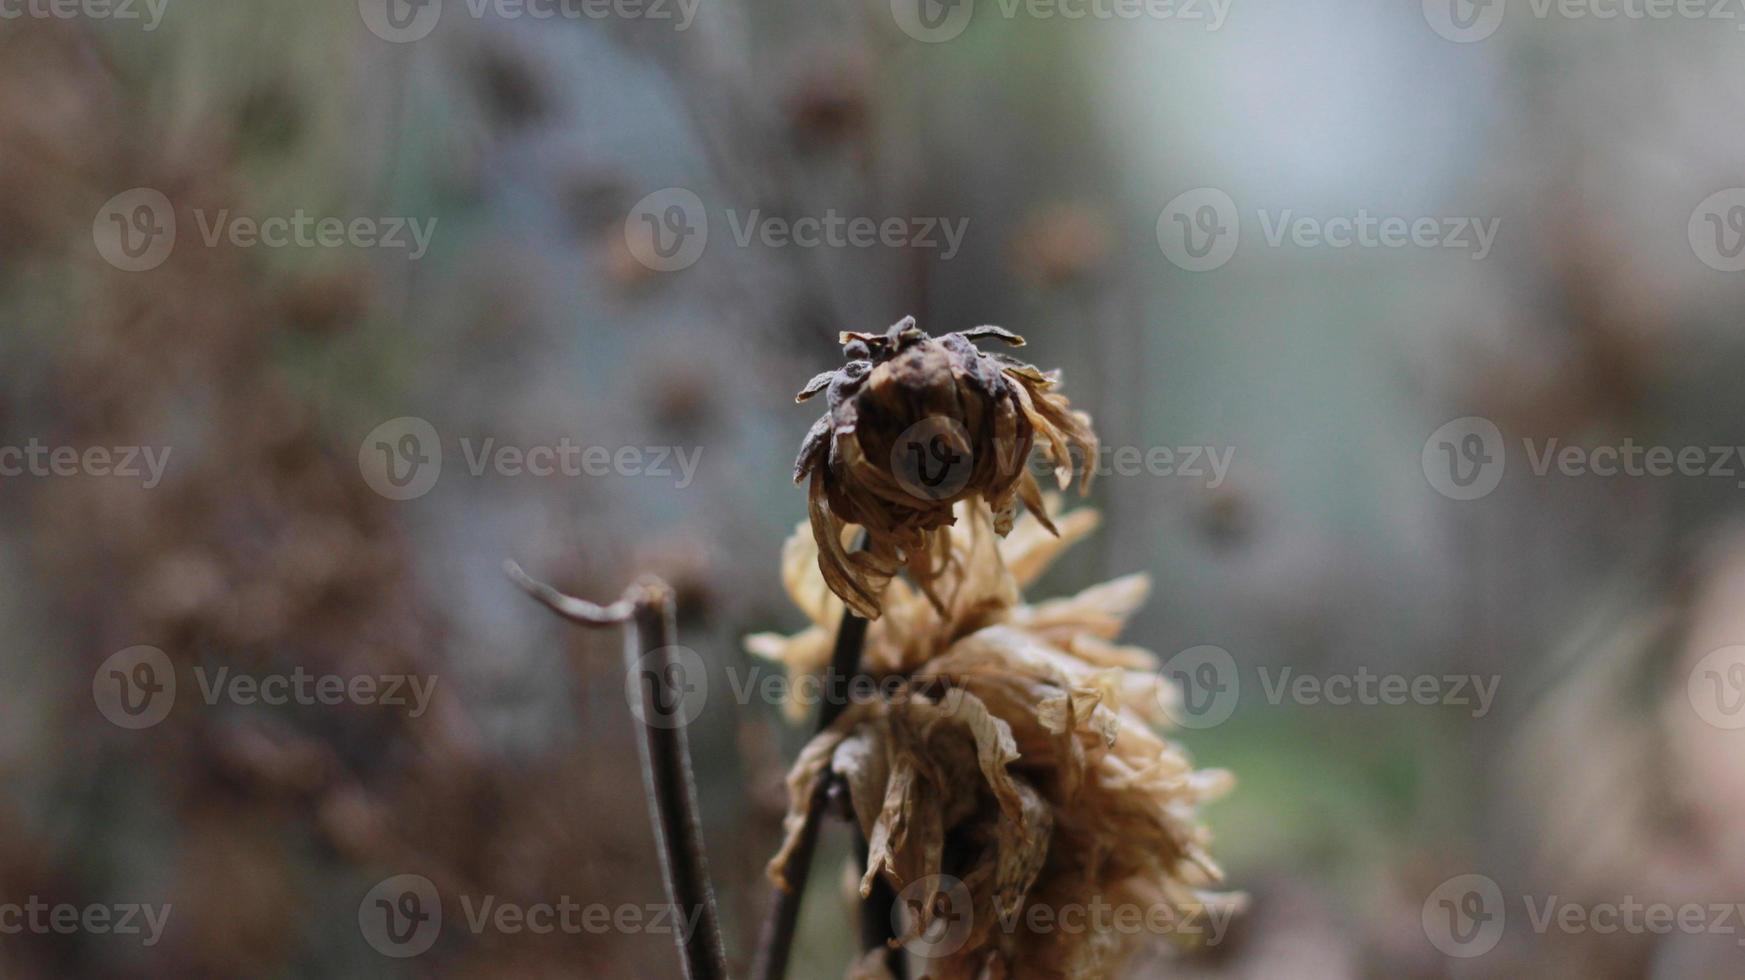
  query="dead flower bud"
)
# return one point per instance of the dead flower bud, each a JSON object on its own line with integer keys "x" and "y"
{"x": 916, "y": 424}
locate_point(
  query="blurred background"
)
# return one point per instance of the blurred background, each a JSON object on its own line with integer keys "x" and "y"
{"x": 301, "y": 300}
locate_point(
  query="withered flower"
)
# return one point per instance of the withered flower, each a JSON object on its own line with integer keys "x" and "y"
{"x": 914, "y": 425}
{"x": 1010, "y": 764}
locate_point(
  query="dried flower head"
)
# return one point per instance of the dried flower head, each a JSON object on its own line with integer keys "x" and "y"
{"x": 1009, "y": 761}
{"x": 914, "y": 425}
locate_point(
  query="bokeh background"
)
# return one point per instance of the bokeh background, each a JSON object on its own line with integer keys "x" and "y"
{"x": 546, "y": 155}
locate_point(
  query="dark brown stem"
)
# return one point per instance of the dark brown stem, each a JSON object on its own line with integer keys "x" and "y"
{"x": 778, "y": 935}
{"x": 777, "y": 942}
{"x": 650, "y": 654}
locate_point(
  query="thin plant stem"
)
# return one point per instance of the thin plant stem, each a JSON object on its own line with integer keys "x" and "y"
{"x": 647, "y": 607}
{"x": 778, "y": 935}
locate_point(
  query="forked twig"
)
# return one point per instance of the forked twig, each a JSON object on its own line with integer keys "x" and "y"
{"x": 647, "y": 607}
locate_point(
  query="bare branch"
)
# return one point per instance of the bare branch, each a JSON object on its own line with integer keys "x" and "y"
{"x": 665, "y": 752}
{"x": 573, "y": 609}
